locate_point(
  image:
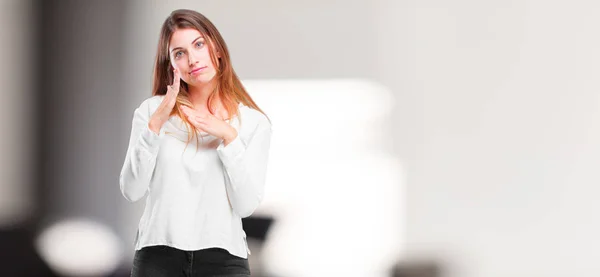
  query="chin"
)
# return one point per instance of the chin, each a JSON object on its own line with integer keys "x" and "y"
{"x": 205, "y": 79}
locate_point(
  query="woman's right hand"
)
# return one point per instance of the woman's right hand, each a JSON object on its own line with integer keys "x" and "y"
{"x": 163, "y": 112}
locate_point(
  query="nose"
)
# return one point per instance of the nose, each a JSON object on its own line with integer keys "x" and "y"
{"x": 192, "y": 58}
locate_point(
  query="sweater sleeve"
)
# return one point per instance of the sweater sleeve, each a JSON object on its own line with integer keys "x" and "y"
{"x": 140, "y": 158}
{"x": 246, "y": 167}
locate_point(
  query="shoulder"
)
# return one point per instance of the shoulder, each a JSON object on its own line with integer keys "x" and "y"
{"x": 150, "y": 104}
{"x": 254, "y": 118}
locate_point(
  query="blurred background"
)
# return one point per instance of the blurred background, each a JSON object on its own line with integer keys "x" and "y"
{"x": 453, "y": 138}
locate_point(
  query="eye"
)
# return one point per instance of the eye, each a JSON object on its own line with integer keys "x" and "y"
{"x": 199, "y": 43}
{"x": 177, "y": 54}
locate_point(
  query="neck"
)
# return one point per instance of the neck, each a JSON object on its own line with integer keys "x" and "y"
{"x": 199, "y": 94}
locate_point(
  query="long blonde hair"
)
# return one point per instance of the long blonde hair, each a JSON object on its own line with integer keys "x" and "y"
{"x": 228, "y": 87}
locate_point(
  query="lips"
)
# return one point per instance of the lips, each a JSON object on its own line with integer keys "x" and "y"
{"x": 197, "y": 70}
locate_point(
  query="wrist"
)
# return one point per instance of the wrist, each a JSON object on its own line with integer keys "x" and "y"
{"x": 229, "y": 137}
{"x": 154, "y": 125}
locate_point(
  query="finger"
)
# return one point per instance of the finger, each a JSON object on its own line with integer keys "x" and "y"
{"x": 199, "y": 124}
{"x": 187, "y": 110}
{"x": 176, "y": 78}
{"x": 170, "y": 91}
{"x": 201, "y": 120}
{"x": 192, "y": 120}
{"x": 202, "y": 124}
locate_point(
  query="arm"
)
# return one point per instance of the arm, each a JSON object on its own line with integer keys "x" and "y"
{"x": 246, "y": 168}
{"x": 140, "y": 159}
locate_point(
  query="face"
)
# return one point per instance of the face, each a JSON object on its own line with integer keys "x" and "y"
{"x": 189, "y": 52}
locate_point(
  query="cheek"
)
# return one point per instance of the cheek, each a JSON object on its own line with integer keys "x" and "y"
{"x": 180, "y": 64}
{"x": 204, "y": 55}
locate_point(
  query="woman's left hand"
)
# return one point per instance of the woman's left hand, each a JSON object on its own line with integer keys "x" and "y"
{"x": 210, "y": 124}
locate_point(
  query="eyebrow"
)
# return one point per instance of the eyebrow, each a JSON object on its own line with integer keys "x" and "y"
{"x": 176, "y": 48}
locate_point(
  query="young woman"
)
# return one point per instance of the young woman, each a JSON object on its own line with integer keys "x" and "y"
{"x": 198, "y": 150}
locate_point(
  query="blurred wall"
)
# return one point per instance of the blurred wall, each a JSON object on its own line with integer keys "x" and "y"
{"x": 496, "y": 107}
{"x": 495, "y": 120}
{"x": 498, "y": 123}
{"x": 496, "y": 103}
{"x": 80, "y": 96}
{"x": 17, "y": 113}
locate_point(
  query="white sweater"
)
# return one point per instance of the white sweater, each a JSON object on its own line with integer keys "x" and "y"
{"x": 195, "y": 198}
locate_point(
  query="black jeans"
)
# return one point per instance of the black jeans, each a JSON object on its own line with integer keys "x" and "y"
{"x": 161, "y": 260}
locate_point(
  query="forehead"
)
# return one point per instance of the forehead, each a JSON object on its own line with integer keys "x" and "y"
{"x": 183, "y": 37}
